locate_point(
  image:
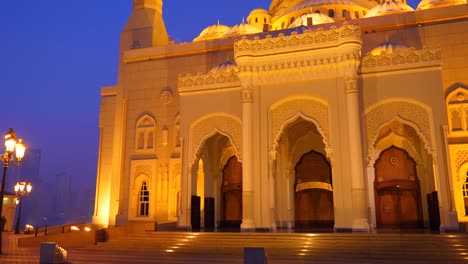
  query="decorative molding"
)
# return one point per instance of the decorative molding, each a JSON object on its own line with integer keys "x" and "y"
{"x": 308, "y": 108}
{"x": 401, "y": 59}
{"x": 320, "y": 38}
{"x": 208, "y": 81}
{"x": 207, "y": 126}
{"x": 166, "y": 96}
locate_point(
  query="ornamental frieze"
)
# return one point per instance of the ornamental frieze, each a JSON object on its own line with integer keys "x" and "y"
{"x": 401, "y": 59}
{"x": 320, "y": 38}
{"x": 211, "y": 80}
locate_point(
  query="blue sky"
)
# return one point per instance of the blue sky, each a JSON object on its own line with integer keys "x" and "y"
{"x": 57, "y": 54}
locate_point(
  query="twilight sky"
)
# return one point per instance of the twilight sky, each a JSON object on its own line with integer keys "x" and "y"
{"x": 57, "y": 54}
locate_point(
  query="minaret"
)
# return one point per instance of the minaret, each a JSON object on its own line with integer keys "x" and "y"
{"x": 145, "y": 27}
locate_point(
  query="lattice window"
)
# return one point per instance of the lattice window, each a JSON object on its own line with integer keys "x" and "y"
{"x": 457, "y": 112}
{"x": 143, "y": 200}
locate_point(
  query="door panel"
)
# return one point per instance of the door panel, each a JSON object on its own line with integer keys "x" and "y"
{"x": 231, "y": 194}
{"x": 313, "y": 198}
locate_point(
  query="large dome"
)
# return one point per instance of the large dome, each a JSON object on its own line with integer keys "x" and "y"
{"x": 212, "y": 32}
{"x": 388, "y": 7}
{"x": 426, "y": 4}
{"x": 317, "y": 19}
{"x": 241, "y": 29}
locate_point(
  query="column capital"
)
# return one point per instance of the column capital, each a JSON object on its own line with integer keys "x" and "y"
{"x": 351, "y": 84}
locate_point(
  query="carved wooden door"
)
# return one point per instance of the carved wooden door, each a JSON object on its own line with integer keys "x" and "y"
{"x": 231, "y": 194}
{"x": 398, "y": 196}
{"x": 313, "y": 197}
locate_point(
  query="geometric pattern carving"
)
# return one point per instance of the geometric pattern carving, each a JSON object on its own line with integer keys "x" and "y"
{"x": 401, "y": 59}
{"x": 313, "y": 109}
{"x": 211, "y": 80}
{"x": 410, "y": 112}
{"x": 142, "y": 169}
{"x": 228, "y": 126}
{"x": 319, "y": 37}
{"x": 461, "y": 158}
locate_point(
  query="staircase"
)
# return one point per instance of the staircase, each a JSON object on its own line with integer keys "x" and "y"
{"x": 294, "y": 247}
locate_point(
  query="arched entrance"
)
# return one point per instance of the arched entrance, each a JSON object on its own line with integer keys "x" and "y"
{"x": 397, "y": 191}
{"x": 313, "y": 193}
{"x": 231, "y": 194}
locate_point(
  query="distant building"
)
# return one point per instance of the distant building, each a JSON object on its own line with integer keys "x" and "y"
{"x": 343, "y": 115}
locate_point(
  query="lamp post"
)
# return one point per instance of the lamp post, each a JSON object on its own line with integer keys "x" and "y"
{"x": 10, "y": 146}
{"x": 21, "y": 189}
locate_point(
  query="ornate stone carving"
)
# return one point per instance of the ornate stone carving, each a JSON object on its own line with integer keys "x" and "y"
{"x": 461, "y": 158}
{"x": 319, "y": 38}
{"x": 211, "y": 80}
{"x": 143, "y": 169}
{"x": 389, "y": 115}
{"x": 315, "y": 110}
{"x": 224, "y": 124}
{"x": 247, "y": 95}
{"x": 166, "y": 96}
{"x": 401, "y": 59}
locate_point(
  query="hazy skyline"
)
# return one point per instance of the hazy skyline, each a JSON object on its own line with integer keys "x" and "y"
{"x": 58, "y": 54}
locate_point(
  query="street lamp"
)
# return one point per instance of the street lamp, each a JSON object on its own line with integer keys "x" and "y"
{"x": 21, "y": 189}
{"x": 11, "y": 145}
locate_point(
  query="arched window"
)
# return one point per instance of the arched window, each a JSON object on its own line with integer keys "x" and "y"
{"x": 143, "y": 200}
{"x": 256, "y": 20}
{"x": 291, "y": 20}
{"x": 331, "y": 12}
{"x": 456, "y": 121}
{"x": 465, "y": 194}
{"x": 264, "y": 20}
{"x": 317, "y": 11}
{"x": 282, "y": 25}
{"x": 344, "y": 13}
{"x": 145, "y": 133}
{"x": 356, "y": 14}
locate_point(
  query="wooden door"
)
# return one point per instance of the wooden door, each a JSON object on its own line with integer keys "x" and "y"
{"x": 398, "y": 195}
{"x": 313, "y": 198}
{"x": 231, "y": 194}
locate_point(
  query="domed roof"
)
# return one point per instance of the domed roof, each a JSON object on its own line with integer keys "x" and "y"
{"x": 317, "y": 19}
{"x": 426, "y": 4}
{"x": 259, "y": 11}
{"x": 228, "y": 66}
{"x": 387, "y": 48}
{"x": 241, "y": 29}
{"x": 312, "y": 3}
{"x": 212, "y": 32}
{"x": 388, "y": 7}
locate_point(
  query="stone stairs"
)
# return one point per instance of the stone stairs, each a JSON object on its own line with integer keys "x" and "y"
{"x": 295, "y": 247}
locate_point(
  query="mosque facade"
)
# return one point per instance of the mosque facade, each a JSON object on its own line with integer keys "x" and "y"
{"x": 343, "y": 115}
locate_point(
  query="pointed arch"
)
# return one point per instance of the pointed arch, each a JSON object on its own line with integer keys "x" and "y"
{"x": 305, "y": 106}
{"x": 406, "y": 111}
{"x": 207, "y": 126}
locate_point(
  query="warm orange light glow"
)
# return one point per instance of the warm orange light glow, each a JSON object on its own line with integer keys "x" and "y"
{"x": 10, "y": 141}
{"x": 20, "y": 149}
{"x": 74, "y": 228}
{"x": 87, "y": 229}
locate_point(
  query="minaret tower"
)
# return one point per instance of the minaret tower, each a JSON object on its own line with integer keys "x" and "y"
{"x": 145, "y": 27}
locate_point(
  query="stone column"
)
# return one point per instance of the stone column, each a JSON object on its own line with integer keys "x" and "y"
{"x": 271, "y": 187}
{"x": 248, "y": 223}
{"x": 360, "y": 221}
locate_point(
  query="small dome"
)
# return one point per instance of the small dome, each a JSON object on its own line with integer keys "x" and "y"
{"x": 212, "y": 32}
{"x": 387, "y": 48}
{"x": 241, "y": 29}
{"x": 388, "y": 7}
{"x": 258, "y": 11}
{"x": 228, "y": 66}
{"x": 317, "y": 19}
{"x": 426, "y": 4}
